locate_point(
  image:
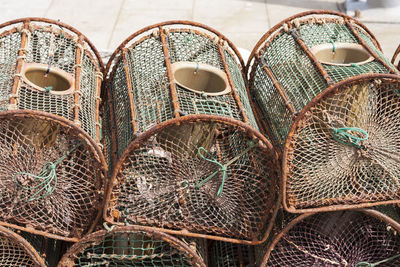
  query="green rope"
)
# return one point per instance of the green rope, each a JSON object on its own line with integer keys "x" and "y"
{"x": 342, "y": 136}
{"x": 367, "y": 264}
{"x": 48, "y": 88}
{"x": 48, "y": 178}
{"x": 222, "y": 167}
{"x": 354, "y": 65}
{"x": 333, "y": 45}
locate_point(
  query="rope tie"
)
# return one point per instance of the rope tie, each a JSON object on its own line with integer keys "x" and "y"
{"x": 108, "y": 228}
{"x": 333, "y": 45}
{"x": 47, "y": 178}
{"x": 223, "y": 168}
{"x": 48, "y": 88}
{"x": 343, "y": 136}
{"x": 99, "y": 75}
{"x": 367, "y": 264}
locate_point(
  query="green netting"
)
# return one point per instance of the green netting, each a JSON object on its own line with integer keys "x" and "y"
{"x": 225, "y": 254}
{"x": 150, "y": 86}
{"x": 296, "y": 74}
{"x": 128, "y": 246}
{"x": 10, "y": 44}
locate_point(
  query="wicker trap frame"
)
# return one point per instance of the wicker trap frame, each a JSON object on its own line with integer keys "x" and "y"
{"x": 189, "y": 159}
{"x": 51, "y": 165}
{"x": 16, "y": 251}
{"x": 225, "y": 254}
{"x": 343, "y": 150}
{"x": 133, "y": 246}
{"x": 395, "y": 59}
{"x": 302, "y": 56}
{"x": 355, "y": 238}
{"x": 338, "y": 144}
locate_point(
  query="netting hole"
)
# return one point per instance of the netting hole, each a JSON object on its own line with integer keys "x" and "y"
{"x": 201, "y": 78}
{"x": 341, "y": 54}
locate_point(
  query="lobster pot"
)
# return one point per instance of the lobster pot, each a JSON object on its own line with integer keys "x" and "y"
{"x": 343, "y": 150}
{"x": 340, "y": 131}
{"x": 301, "y": 57}
{"x": 51, "y": 164}
{"x": 16, "y": 251}
{"x": 187, "y": 157}
{"x": 132, "y": 246}
{"x": 225, "y": 254}
{"x": 359, "y": 238}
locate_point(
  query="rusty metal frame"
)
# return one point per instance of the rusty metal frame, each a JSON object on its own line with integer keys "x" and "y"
{"x": 277, "y": 237}
{"x": 68, "y": 258}
{"x": 395, "y": 55}
{"x": 90, "y": 143}
{"x": 297, "y": 124}
{"x": 31, "y": 251}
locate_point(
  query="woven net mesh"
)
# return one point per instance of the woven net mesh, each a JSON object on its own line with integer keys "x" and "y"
{"x": 296, "y": 74}
{"x": 328, "y": 165}
{"x": 224, "y": 254}
{"x": 64, "y": 202}
{"x": 174, "y": 175}
{"x": 14, "y": 251}
{"x": 129, "y": 246}
{"x": 342, "y": 238}
{"x": 165, "y": 182}
{"x": 10, "y": 43}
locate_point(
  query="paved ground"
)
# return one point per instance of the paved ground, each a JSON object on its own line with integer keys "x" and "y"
{"x": 108, "y": 22}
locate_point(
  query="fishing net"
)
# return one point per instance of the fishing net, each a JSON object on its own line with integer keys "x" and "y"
{"x": 51, "y": 161}
{"x": 189, "y": 159}
{"x": 302, "y": 56}
{"x": 224, "y": 254}
{"x": 50, "y": 175}
{"x": 361, "y": 238}
{"x": 132, "y": 246}
{"x": 344, "y": 149}
{"x": 16, "y": 251}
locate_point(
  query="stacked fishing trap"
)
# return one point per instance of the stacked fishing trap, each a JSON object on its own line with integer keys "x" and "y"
{"x": 329, "y": 102}
{"x": 357, "y": 238}
{"x": 319, "y": 80}
{"x": 51, "y": 164}
{"x": 134, "y": 246}
{"x": 187, "y": 159}
{"x": 176, "y": 132}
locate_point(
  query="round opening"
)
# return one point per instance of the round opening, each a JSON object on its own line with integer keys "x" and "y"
{"x": 54, "y": 80}
{"x": 200, "y": 78}
{"x": 341, "y": 54}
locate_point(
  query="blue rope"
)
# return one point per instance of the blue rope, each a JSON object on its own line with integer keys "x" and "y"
{"x": 343, "y": 136}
